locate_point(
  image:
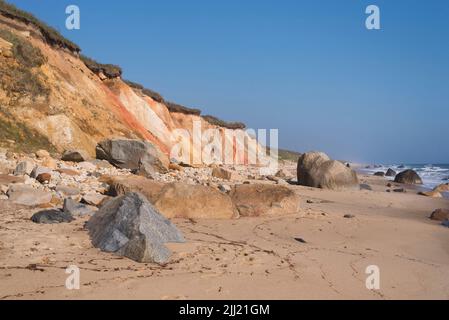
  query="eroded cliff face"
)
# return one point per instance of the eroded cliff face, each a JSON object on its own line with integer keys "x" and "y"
{"x": 59, "y": 101}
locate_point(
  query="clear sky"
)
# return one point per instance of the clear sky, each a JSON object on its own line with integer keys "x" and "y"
{"x": 306, "y": 67}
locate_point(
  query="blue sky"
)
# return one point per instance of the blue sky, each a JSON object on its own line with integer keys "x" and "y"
{"x": 309, "y": 68}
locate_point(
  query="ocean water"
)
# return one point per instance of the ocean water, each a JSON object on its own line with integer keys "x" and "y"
{"x": 431, "y": 174}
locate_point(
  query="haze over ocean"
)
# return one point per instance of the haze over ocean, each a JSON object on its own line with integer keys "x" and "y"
{"x": 309, "y": 68}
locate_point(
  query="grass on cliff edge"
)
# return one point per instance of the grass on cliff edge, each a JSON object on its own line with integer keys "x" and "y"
{"x": 18, "y": 137}
{"x": 19, "y": 77}
{"x": 50, "y": 34}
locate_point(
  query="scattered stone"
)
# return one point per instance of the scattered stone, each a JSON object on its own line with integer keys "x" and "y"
{"x": 39, "y": 170}
{"x": 24, "y": 167}
{"x": 130, "y": 226}
{"x": 221, "y": 173}
{"x": 400, "y": 190}
{"x": 390, "y": 173}
{"x": 446, "y": 223}
{"x": 389, "y": 185}
{"x": 301, "y": 240}
{"x": 75, "y": 156}
{"x": 51, "y": 217}
{"x": 440, "y": 215}
{"x": 408, "y": 177}
{"x": 310, "y": 201}
{"x": 264, "y": 200}
{"x": 77, "y": 209}
{"x": 94, "y": 199}
{"x": 349, "y": 216}
{"x": 28, "y": 196}
{"x": 315, "y": 169}
{"x": 224, "y": 188}
{"x": 67, "y": 191}
{"x": 44, "y": 178}
{"x": 87, "y": 166}
{"x": 130, "y": 154}
{"x": 68, "y": 172}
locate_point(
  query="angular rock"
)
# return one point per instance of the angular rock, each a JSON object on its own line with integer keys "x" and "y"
{"x": 67, "y": 191}
{"x": 51, "y": 217}
{"x": 440, "y": 215}
{"x": 94, "y": 199}
{"x": 24, "y": 167}
{"x": 264, "y": 200}
{"x": 315, "y": 169}
{"x": 77, "y": 209}
{"x": 75, "y": 156}
{"x": 446, "y": 223}
{"x": 26, "y": 195}
{"x": 408, "y": 177}
{"x": 130, "y": 226}
{"x": 131, "y": 154}
{"x": 39, "y": 170}
{"x": 390, "y": 173}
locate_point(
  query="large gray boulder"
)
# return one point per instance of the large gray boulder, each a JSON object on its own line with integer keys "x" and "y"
{"x": 408, "y": 177}
{"x": 132, "y": 154}
{"x": 130, "y": 226}
{"x": 315, "y": 169}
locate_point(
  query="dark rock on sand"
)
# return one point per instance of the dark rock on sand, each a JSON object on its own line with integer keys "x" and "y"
{"x": 390, "y": 173}
{"x": 51, "y": 217}
{"x": 349, "y": 216}
{"x": 130, "y": 226}
{"x": 75, "y": 156}
{"x": 440, "y": 215}
{"x": 379, "y": 174}
{"x": 408, "y": 177}
{"x": 132, "y": 154}
{"x": 400, "y": 190}
{"x": 446, "y": 223}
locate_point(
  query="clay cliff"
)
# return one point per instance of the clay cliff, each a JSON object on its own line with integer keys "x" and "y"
{"x": 54, "y": 98}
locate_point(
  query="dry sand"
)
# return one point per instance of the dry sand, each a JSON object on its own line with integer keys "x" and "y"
{"x": 250, "y": 258}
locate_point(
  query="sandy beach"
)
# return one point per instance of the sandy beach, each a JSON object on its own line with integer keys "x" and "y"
{"x": 247, "y": 258}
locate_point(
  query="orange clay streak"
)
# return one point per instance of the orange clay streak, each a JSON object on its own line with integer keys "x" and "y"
{"x": 132, "y": 122}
